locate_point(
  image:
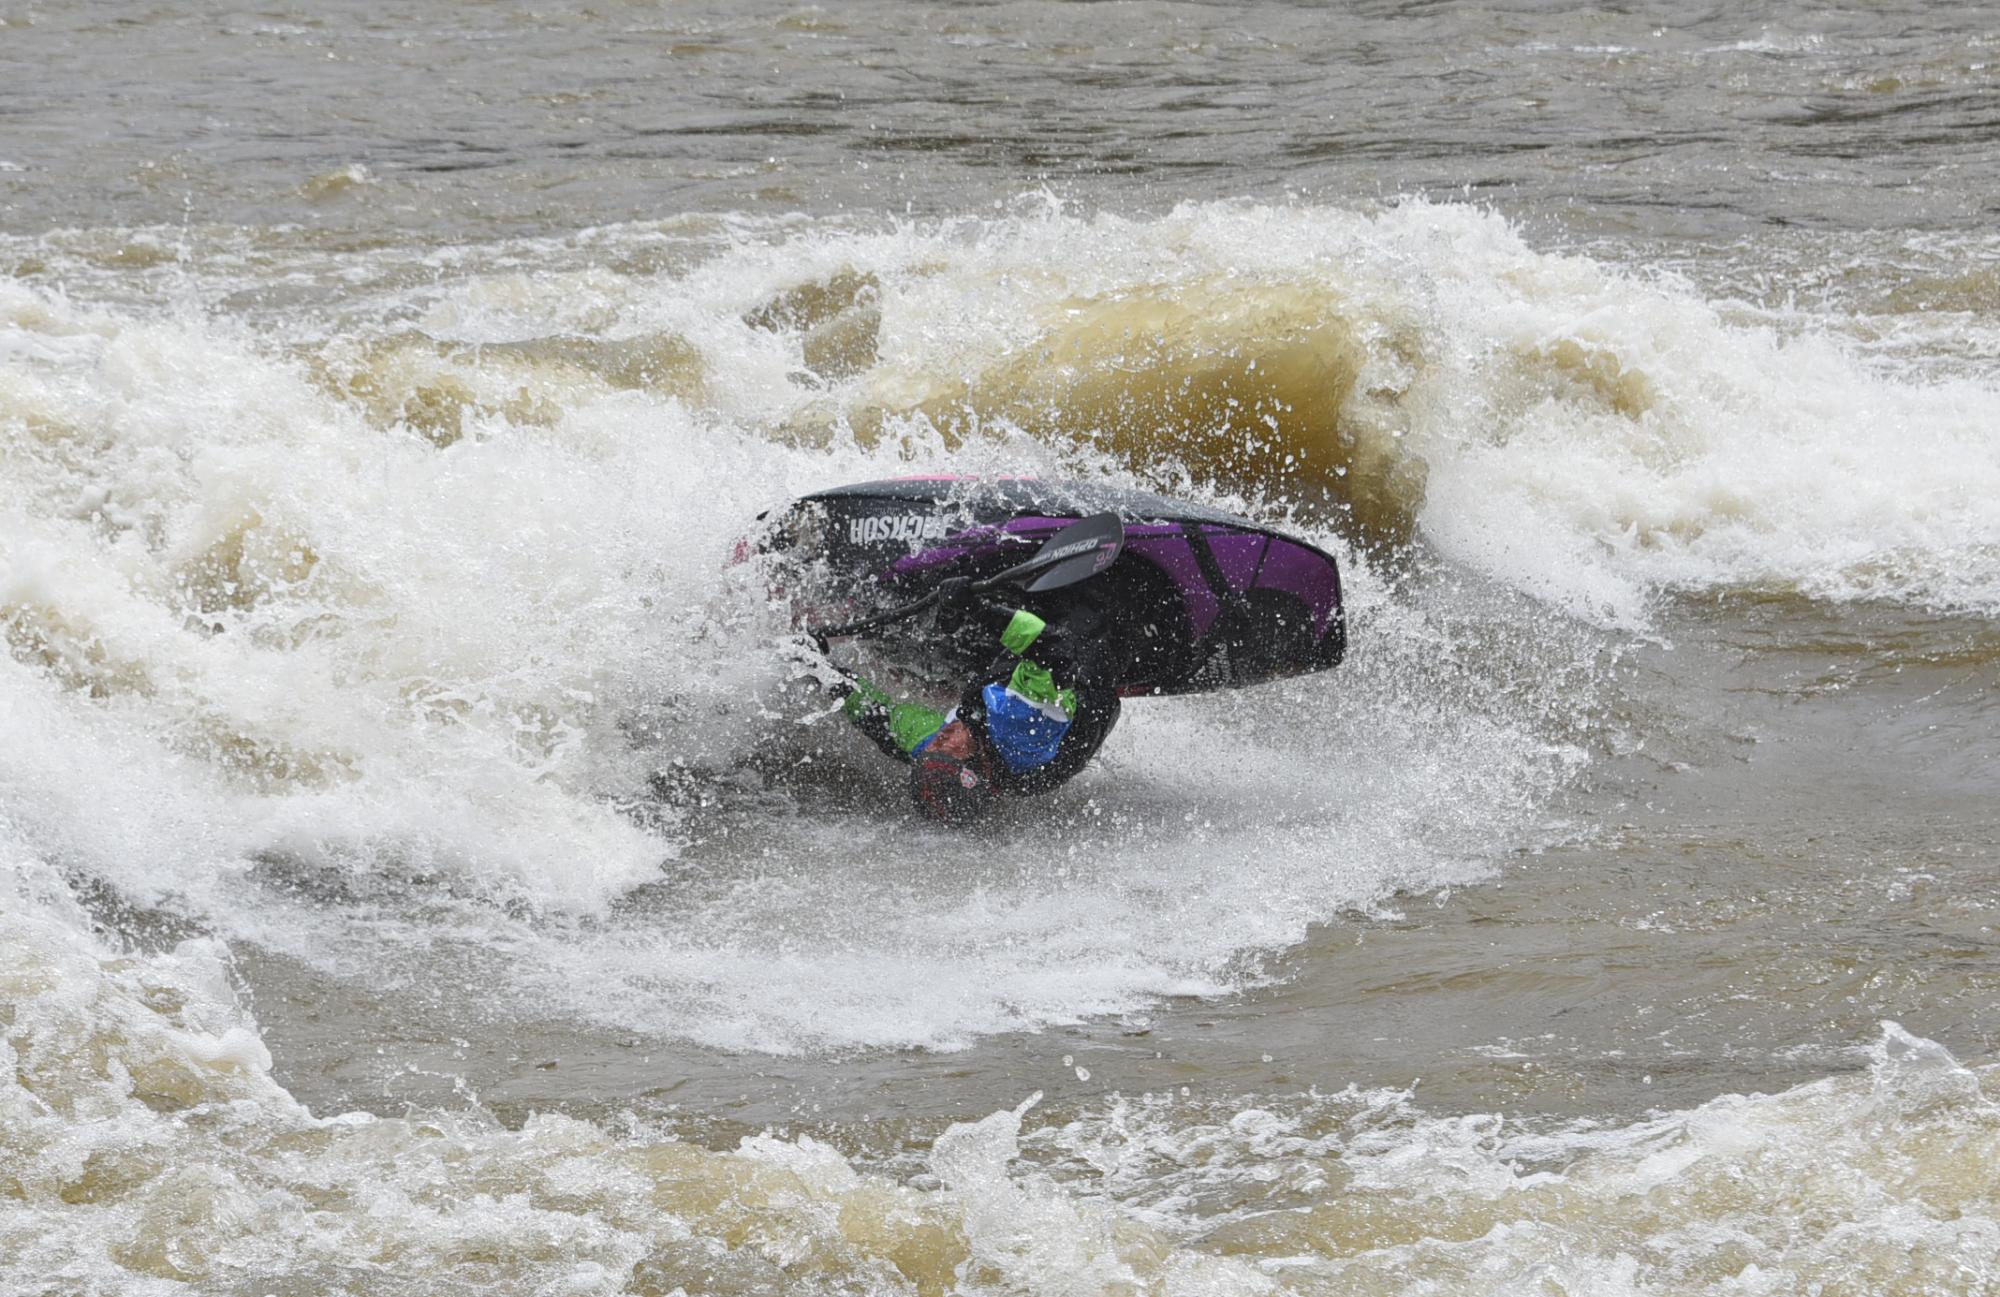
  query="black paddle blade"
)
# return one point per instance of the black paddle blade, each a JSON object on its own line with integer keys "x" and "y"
{"x": 1080, "y": 550}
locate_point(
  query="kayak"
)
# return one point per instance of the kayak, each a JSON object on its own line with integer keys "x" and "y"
{"x": 1214, "y": 601}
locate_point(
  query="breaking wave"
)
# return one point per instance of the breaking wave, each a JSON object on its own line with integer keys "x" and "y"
{"x": 423, "y": 580}
{"x": 426, "y": 580}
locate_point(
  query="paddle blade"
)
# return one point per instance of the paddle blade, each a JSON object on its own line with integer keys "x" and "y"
{"x": 1079, "y": 551}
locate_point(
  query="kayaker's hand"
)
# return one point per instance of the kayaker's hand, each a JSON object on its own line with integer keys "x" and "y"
{"x": 954, "y": 597}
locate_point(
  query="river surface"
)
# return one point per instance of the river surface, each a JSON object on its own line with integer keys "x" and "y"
{"x": 419, "y": 874}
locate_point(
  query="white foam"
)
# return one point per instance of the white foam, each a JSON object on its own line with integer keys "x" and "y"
{"x": 144, "y": 1147}
{"x": 447, "y": 698}
{"x": 1880, "y": 1174}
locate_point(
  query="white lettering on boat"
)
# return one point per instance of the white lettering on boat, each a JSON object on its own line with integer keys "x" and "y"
{"x": 895, "y": 526}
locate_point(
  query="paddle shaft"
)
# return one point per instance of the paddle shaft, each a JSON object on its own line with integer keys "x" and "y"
{"x": 1054, "y": 551}
{"x": 898, "y": 613}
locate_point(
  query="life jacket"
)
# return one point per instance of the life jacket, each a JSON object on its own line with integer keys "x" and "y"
{"x": 1027, "y": 717}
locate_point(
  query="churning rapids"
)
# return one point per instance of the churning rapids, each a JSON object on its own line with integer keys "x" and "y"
{"x": 418, "y": 874}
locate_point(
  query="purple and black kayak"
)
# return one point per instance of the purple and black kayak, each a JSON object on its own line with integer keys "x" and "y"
{"x": 1221, "y": 602}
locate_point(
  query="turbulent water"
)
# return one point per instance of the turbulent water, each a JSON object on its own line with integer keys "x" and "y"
{"x": 419, "y": 873}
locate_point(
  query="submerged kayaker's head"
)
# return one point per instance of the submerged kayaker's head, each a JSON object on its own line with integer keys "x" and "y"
{"x": 951, "y": 779}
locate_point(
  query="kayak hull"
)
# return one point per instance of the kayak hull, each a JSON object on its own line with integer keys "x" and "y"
{"x": 1214, "y": 601}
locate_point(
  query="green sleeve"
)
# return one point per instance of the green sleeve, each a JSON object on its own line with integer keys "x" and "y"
{"x": 1021, "y": 632}
{"x": 890, "y": 723}
{"x": 1032, "y": 681}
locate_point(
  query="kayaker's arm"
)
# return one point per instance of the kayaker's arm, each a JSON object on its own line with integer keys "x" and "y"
{"x": 896, "y": 728}
{"x": 1017, "y": 705}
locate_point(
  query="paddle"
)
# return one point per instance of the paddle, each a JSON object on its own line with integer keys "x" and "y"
{"x": 1082, "y": 549}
